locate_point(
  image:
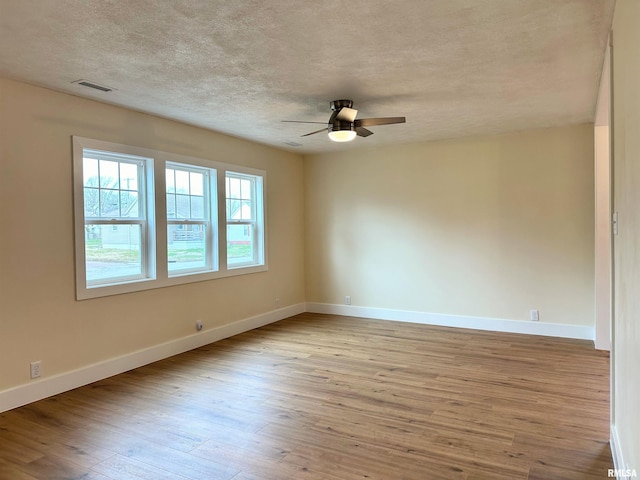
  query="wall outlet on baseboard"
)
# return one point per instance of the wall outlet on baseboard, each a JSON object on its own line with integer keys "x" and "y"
{"x": 347, "y": 300}
{"x": 534, "y": 315}
{"x": 35, "y": 369}
{"x": 277, "y": 301}
{"x": 199, "y": 325}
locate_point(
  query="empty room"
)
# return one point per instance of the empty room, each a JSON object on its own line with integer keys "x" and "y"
{"x": 334, "y": 240}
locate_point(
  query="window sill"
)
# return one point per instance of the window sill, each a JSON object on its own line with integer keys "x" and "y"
{"x": 151, "y": 283}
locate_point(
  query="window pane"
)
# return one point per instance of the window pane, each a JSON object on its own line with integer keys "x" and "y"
{"x": 234, "y": 210}
{"x": 245, "y": 189}
{"x": 109, "y": 203}
{"x": 247, "y": 210}
{"x": 197, "y": 183}
{"x": 186, "y": 247}
{"x": 182, "y": 206}
{"x": 240, "y": 244}
{"x": 90, "y": 172}
{"x": 182, "y": 181}
{"x": 91, "y": 202}
{"x": 197, "y": 208}
{"x": 128, "y": 176}
{"x": 233, "y": 190}
{"x": 171, "y": 180}
{"x": 108, "y": 174}
{"x": 129, "y": 205}
{"x": 171, "y": 206}
{"x": 112, "y": 252}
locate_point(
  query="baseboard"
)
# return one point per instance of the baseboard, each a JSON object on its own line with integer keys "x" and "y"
{"x": 616, "y": 451}
{"x": 478, "y": 323}
{"x": 46, "y": 387}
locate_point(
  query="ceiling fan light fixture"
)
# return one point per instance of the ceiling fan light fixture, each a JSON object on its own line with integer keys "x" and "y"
{"x": 343, "y": 125}
{"x": 342, "y": 135}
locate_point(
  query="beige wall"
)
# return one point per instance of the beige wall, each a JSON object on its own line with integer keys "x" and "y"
{"x": 487, "y": 227}
{"x": 40, "y": 318}
{"x": 626, "y": 155}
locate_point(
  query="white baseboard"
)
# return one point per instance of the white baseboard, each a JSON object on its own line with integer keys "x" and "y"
{"x": 46, "y": 387}
{"x": 616, "y": 452}
{"x": 478, "y": 323}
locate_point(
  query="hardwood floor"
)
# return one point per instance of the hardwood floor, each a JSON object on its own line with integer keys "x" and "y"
{"x": 332, "y": 398}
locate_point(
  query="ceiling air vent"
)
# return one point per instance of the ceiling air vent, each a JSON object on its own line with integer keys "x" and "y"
{"x": 95, "y": 86}
{"x": 293, "y": 144}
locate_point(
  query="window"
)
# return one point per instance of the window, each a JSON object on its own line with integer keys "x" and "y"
{"x": 189, "y": 210}
{"x": 115, "y": 217}
{"x": 130, "y": 239}
{"x": 244, "y": 210}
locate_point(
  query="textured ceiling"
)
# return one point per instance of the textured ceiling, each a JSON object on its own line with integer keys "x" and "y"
{"x": 452, "y": 67}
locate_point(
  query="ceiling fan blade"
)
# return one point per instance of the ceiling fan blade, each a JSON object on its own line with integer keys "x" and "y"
{"x": 372, "y": 122}
{"x": 347, "y": 114}
{"x": 363, "y": 132}
{"x": 313, "y": 133}
{"x": 300, "y": 121}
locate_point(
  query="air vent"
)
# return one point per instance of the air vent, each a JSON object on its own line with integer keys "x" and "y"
{"x": 293, "y": 144}
{"x": 95, "y": 86}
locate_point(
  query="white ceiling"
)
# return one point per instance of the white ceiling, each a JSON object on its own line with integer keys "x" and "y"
{"x": 452, "y": 67}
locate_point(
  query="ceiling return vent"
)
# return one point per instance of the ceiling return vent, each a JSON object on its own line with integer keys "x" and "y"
{"x": 95, "y": 86}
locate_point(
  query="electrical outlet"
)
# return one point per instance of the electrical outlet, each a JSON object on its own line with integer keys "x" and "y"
{"x": 277, "y": 301}
{"x": 347, "y": 300}
{"x": 35, "y": 369}
{"x": 198, "y": 325}
{"x": 534, "y": 316}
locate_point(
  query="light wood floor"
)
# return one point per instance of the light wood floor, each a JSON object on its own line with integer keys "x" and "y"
{"x": 323, "y": 397}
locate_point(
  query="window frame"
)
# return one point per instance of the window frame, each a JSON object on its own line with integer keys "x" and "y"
{"x": 210, "y": 200}
{"x": 141, "y": 164}
{"x": 256, "y": 221}
{"x": 156, "y": 242}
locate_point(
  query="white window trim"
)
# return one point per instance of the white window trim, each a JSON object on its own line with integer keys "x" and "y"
{"x": 157, "y": 221}
{"x": 142, "y": 221}
{"x": 255, "y": 223}
{"x": 211, "y": 220}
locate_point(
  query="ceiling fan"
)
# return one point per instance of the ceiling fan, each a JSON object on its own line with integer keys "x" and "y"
{"x": 343, "y": 126}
